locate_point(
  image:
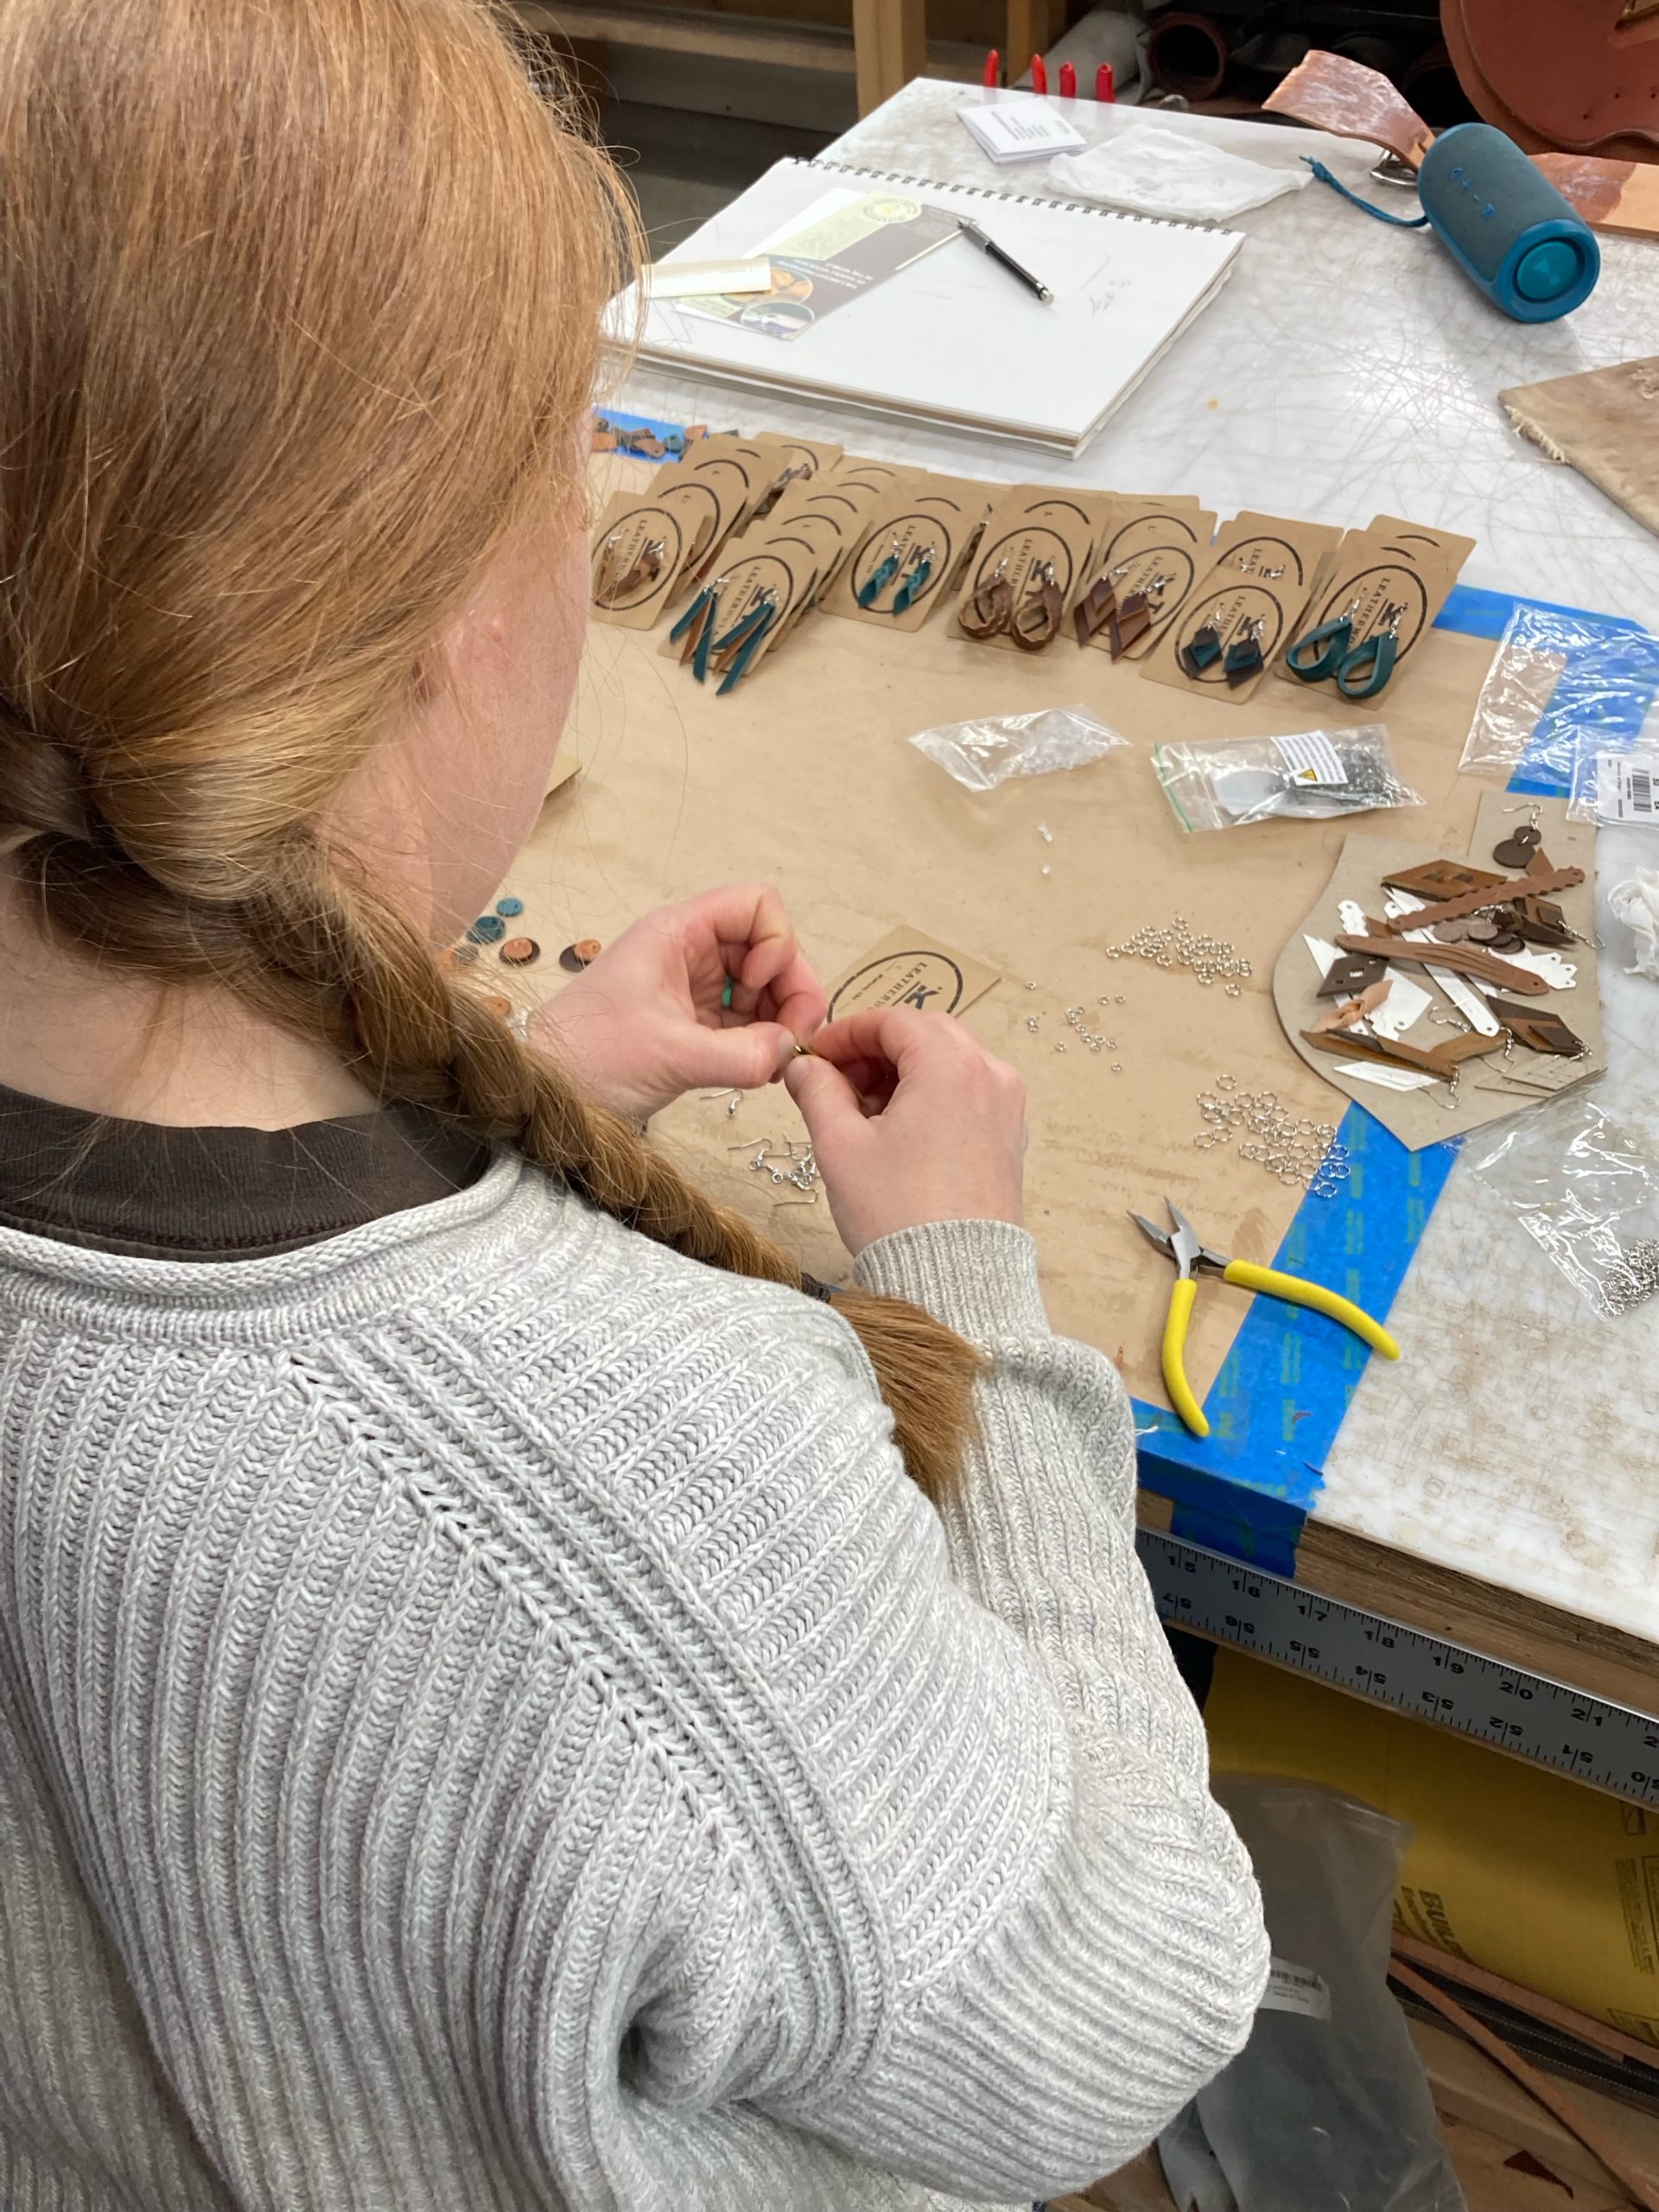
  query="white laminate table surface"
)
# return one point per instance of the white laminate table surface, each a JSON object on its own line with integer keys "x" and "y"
{"x": 1349, "y": 368}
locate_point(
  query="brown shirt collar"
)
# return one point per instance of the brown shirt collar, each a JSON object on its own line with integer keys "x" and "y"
{"x": 160, "y": 1193}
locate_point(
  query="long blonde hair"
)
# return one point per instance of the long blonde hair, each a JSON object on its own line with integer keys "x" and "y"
{"x": 299, "y": 313}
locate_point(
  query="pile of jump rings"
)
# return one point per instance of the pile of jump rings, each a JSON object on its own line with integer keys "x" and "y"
{"x": 1301, "y": 1151}
{"x": 1634, "y": 1279}
{"x": 1177, "y": 945}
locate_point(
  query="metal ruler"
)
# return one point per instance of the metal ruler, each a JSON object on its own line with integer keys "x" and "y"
{"x": 1606, "y": 1745}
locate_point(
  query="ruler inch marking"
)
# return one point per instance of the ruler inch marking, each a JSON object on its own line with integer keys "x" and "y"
{"x": 1511, "y": 1709}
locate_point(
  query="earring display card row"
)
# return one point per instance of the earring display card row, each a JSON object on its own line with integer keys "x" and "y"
{"x": 1395, "y": 575}
{"x": 1247, "y": 603}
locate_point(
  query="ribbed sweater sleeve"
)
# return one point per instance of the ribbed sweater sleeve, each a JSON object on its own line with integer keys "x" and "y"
{"x": 1075, "y": 1937}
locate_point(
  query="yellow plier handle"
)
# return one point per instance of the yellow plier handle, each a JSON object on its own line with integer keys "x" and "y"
{"x": 1175, "y": 1382}
{"x": 1246, "y": 1275}
{"x": 1243, "y": 1275}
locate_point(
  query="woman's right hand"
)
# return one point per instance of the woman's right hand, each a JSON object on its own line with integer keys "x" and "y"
{"x": 912, "y": 1121}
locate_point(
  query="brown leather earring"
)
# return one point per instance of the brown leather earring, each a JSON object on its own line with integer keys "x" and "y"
{"x": 1036, "y": 620}
{"x": 605, "y": 572}
{"x": 1094, "y": 609}
{"x": 988, "y": 612}
{"x": 610, "y": 589}
{"x": 1131, "y": 620}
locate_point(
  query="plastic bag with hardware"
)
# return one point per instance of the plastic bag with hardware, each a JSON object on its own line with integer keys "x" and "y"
{"x": 1583, "y": 1184}
{"x": 1327, "y": 2104}
{"x": 1310, "y": 775}
{"x": 1556, "y": 679}
{"x": 982, "y": 754}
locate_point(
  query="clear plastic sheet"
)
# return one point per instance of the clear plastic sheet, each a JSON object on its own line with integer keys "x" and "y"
{"x": 1585, "y": 1186}
{"x": 1556, "y": 680}
{"x": 982, "y": 754}
{"x": 1158, "y": 171}
{"x": 1308, "y": 775}
{"x": 1327, "y": 2105}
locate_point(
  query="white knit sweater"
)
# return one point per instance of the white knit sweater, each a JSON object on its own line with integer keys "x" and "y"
{"x": 486, "y": 1722}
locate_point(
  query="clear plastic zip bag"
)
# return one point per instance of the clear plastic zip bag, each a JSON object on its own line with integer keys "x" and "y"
{"x": 1310, "y": 775}
{"x": 982, "y": 754}
{"x": 1585, "y": 1185}
{"x": 1556, "y": 680}
{"x": 1327, "y": 2105}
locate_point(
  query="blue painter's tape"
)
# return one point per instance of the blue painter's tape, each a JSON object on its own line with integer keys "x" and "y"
{"x": 1279, "y": 1401}
{"x": 1479, "y": 613}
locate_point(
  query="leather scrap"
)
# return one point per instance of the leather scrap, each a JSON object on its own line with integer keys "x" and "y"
{"x": 1537, "y": 1028}
{"x": 1349, "y": 974}
{"x": 1441, "y": 880}
{"x": 1443, "y": 1062}
{"x": 1359, "y": 1009}
{"x": 1461, "y": 959}
{"x": 1497, "y": 892}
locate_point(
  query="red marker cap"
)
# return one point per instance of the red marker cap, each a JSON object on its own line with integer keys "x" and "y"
{"x": 1039, "y": 73}
{"x": 1105, "y": 82}
{"x": 1068, "y": 81}
{"x": 993, "y": 76}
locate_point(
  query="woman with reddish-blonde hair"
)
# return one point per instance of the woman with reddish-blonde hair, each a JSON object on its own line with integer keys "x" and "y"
{"x": 509, "y": 1696}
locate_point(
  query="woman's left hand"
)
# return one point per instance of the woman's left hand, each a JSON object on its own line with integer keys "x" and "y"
{"x": 648, "y": 1021}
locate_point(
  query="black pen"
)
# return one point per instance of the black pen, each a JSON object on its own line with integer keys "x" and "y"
{"x": 971, "y": 230}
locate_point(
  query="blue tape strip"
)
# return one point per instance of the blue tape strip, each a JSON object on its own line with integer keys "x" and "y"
{"x": 1282, "y": 1393}
{"x": 1479, "y": 613}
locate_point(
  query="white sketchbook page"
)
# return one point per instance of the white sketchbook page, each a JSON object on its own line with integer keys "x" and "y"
{"x": 957, "y": 334}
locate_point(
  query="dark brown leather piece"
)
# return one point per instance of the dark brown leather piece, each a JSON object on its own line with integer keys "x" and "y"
{"x": 1537, "y": 1028}
{"x": 1096, "y": 607}
{"x": 1350, "y": 974}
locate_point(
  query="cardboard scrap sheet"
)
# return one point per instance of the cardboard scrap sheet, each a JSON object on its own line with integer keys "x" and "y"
{"x": 808, "y": 779}
{"x": 1434, "y": 1003}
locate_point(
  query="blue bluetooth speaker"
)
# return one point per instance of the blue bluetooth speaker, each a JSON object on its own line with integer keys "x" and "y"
{"x": 1506, "y": 225}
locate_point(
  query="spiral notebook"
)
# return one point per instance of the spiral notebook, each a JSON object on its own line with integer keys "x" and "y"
{"x": 951, "y": 338}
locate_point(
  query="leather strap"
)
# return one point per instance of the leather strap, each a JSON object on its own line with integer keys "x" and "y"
{"x": 1443, "y": 1062}
{"x": 1461, "y": 959}
{"x": 1494, "y": 894}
